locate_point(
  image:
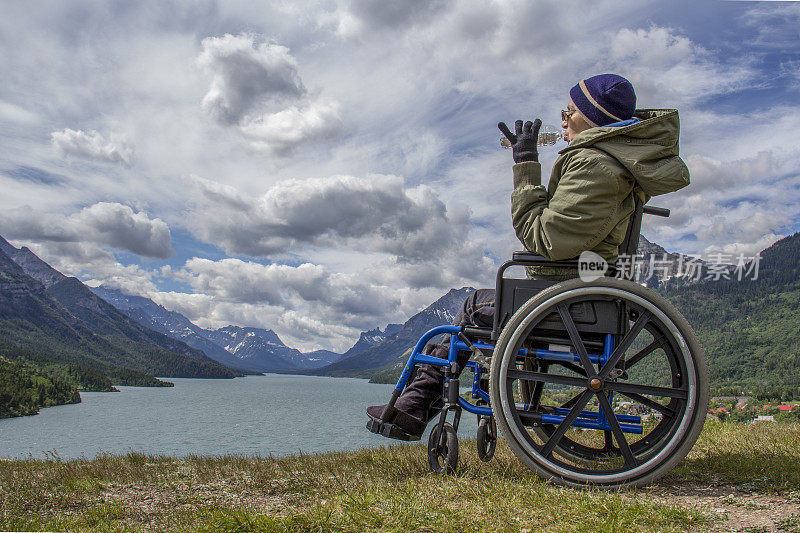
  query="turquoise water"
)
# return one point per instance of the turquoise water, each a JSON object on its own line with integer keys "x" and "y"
{"x": 256, "y": 415}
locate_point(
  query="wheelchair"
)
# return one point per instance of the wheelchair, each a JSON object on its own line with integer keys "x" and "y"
{"x": 591, "y": 383}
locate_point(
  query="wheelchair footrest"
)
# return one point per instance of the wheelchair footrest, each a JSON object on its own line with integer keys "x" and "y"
{"x": 389, "y": 430}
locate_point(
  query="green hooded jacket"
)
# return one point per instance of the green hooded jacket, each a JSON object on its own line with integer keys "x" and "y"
{"x": 589, "y": 199}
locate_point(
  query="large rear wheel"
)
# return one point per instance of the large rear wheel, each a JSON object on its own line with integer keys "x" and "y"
{"x": 656, "y": 372}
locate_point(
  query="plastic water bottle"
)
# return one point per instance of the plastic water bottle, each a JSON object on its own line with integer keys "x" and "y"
{"x": 548, "y": 136}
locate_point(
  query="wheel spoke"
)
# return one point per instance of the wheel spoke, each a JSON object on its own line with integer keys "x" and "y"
{"x": 567, "y": 423}
{"x": 536, "y": 397}
{"x": 644, "y": 352}
{"x": 575, "y": 337}
{"x": 619, "y": 436}
{"x": 547, "y": 378}
{"x": 571, "y": 366}
{"x": 571, "y": 401}
{"x": 647, "y": 402}
{"x": 624, "y": 388}
{"x": 609, "y": 444}
{"x": 619, "y": 351}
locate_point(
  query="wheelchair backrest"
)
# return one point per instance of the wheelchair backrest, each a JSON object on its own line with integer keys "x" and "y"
{"x": 630, "y": 244}
{"x": 512, "y": 293}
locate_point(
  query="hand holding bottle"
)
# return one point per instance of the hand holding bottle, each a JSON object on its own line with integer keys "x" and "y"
{"x": 525, "y": 141}
{"x": 548, "y": 136}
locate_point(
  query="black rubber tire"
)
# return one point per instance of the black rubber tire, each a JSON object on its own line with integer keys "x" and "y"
{"x": 487, "y": 438}
{"x": 657, "y": 459}
{"x": 443, "y": 452}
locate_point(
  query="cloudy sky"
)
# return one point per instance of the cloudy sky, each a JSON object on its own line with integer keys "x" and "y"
{"x": 322, "y": 168}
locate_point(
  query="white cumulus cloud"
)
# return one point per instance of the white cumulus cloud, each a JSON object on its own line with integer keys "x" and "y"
{"x": 93, "y": 146}
{"x": 257, "y": 90}
{"x": 737, "y": 205}
{"x": 288, "y": 286}
{"x": 246, "y": 74}
{"x": 104, "y": 224}
{"x": 297, "y": 213}
{"x": 281, "y": 132}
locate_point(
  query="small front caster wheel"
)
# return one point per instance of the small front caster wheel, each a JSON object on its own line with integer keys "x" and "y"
{"x": 487, "y": 438}
{"x": 443, "y": 449}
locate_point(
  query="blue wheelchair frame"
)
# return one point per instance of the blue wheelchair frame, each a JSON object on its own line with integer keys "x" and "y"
{"x": 458, "y": 342}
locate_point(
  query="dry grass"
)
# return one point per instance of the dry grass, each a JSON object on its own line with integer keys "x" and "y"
{"x": 390, "y": 489}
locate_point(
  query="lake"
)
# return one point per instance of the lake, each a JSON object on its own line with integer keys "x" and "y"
{"x": 255, "y": 415}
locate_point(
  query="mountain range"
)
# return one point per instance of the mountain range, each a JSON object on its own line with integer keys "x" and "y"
{"x": 252, "y": 349}
{"x": 129, "y": 320}
{"x": 366, "y": 362}
{"x": 256, "y": 350}
{"x": 56, "y": 324}
{"x": 261, "y": 350}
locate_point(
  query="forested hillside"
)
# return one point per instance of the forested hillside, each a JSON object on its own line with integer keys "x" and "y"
{"x": 750, "y": 328}
{"x": 37, "y": 330}
{"x": 25, "y": 390}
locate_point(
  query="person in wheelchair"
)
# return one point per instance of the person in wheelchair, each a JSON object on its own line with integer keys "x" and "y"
{"x": 594, "y": 183}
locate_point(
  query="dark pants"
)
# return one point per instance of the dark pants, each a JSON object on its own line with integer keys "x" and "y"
{"x": 422, "y": 397}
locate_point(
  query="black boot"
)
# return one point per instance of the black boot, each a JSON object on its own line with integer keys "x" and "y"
{"x": 420, "y": 401}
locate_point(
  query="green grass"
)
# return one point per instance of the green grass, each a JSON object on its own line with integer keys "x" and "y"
{"x": 761, "y": 457}
{"x": 386, "y": 489}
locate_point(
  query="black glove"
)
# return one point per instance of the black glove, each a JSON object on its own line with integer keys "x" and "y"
{"x": 524, "y": 143}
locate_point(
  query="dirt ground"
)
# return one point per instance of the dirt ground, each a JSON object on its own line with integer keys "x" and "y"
{"x": 735, "y": 508}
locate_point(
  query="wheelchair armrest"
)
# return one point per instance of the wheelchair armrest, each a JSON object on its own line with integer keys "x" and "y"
{"x": 526, "y": 258}
{"x": 658, "y": 211}
{"x": 474, "y": 331}
{"x": 530, "y": 257}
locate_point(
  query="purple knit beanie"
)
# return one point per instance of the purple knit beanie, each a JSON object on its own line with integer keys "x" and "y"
{"x": 605, "y": 98}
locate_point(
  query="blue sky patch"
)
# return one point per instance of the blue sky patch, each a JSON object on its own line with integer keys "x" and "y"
{"x": 34, "y": 175}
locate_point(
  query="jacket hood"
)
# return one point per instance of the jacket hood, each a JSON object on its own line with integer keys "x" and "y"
{"x": 648, "y": 149}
